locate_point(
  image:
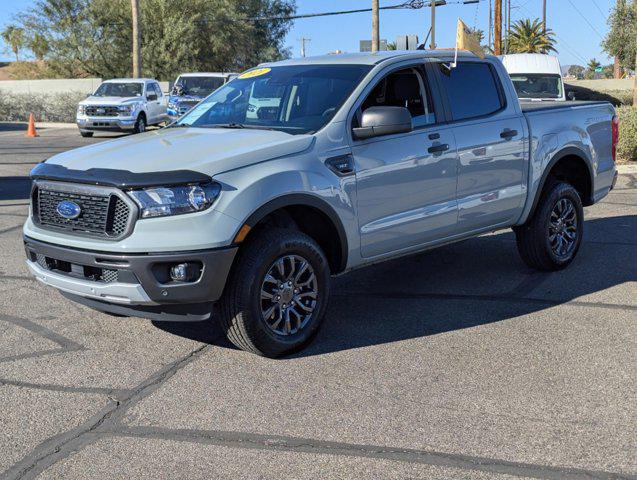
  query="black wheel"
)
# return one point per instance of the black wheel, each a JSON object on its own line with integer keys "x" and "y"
{"x": 140, "y": 124}
{"x": 552, "y": 236}
{"x": 277, "y": 293}
{"x": 86, "y": 134}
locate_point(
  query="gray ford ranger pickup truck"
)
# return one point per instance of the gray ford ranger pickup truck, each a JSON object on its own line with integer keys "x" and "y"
{"x": 241, "y": 210}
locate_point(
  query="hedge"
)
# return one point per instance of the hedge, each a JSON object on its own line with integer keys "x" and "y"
{"x": 53, "y": 107}
{"x": 627, "y": 147}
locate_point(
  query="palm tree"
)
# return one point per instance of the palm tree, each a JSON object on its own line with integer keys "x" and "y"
{"x": 530, "y": 37}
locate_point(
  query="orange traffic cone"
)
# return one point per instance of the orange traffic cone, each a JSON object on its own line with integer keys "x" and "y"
{"x": 31, "y": 130}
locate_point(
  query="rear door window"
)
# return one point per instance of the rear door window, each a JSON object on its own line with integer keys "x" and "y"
{"x": 472, "y": 89}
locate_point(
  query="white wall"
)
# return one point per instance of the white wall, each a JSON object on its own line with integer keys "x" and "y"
{"x": 84, "y": 85}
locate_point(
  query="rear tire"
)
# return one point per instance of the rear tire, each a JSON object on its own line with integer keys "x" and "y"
{"x": 551, "y": 238}
{"x": 277, "y": 293}
{"x": 86, "y": 134}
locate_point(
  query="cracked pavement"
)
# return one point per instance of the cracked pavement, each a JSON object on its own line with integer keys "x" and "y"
{"x": 455, "y": 363}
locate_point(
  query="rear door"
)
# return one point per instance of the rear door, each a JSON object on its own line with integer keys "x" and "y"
{"x": 406, "y": 183}
{"x": 491, "y": 141}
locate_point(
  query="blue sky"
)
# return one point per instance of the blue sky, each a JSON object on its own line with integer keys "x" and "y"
{"x": 578, "y": 41}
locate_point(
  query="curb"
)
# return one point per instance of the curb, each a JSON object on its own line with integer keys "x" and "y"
{"x": 627, "y": 169}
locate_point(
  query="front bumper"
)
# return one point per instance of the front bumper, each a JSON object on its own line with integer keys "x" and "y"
{"x": 109, "y": 124}
{"x": 129, "y": 279}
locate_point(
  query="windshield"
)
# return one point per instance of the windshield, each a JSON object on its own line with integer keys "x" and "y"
{"x": 294, "y": 99}
{"x": 117, "y": 89}
{"x": 197, "y": 86}
{"x": 537, "y": 85}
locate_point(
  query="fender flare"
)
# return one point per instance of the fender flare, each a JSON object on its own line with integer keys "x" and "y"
{"x": 565, "y": 152}
{"x": 301, "y": 199}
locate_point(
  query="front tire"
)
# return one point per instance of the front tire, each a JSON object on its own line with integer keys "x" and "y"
{"x": 140, "y": 124}
{"x": 551, "y": 238}
{"x": 277, "y": 293}
{"x": 86, "y": 134}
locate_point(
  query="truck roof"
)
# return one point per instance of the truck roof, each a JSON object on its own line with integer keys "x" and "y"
{"x": 129, "y": 80}
{"x": 206, "y": 74}
{"x": 531, "y": 63}
{"x": 368, "y": 58}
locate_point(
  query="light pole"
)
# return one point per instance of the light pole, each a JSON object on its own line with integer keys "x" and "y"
{"x": 432, "y": 45}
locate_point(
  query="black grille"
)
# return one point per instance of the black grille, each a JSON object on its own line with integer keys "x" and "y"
{"x": 84, "y": 272}
{"x": 101, "y": 111}
{"x": 101, "y": 215}
{"x": 185, "y": 106}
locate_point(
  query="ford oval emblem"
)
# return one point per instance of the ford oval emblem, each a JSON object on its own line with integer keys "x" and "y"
{"x": 68, "y": 210}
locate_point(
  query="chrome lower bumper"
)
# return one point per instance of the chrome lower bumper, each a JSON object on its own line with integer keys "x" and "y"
{"x": 106, "y": 123}
{"x": 122, "y": 293}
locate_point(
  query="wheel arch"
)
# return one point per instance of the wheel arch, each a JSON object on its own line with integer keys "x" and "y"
{"x": 313, "y": 216}
{"x": 569, "y": 164}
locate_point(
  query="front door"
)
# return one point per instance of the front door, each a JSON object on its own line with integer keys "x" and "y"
{"x": 406, "y": 183}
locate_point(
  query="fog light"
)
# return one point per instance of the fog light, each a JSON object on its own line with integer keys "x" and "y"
{"x": 184, "y": 272}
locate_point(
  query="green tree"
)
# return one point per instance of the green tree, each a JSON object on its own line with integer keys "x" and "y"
{"x": 14, "y": 37}
{"x": 391, "y": 45}
{"x": 593, "y": 65}
{"x": 94, "y": 37}
{"x": 529, "y": 37}
{"x": 620, "y": 39}
{"x": 576, "y": 70}
{"x": 39, "y": 45}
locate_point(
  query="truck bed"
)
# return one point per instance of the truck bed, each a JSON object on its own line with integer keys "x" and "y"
{"x": 532, "y": 107}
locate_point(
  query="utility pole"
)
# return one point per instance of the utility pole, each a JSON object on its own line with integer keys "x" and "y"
{"x": 432, "y": 45}
{"x": 375, "y": 27}
{"x": 490, "y": 21}
{"x": 635, "y": 82}
{"x": 137, "y": 40}
{"x": 544, "y": 16}
{"x": 303, "y": 40}
{"x": 497, "y": 41}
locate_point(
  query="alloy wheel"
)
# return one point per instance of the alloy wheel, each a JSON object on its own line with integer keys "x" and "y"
{"x": 563, "y": 228}
{"x": 289, "y": 294}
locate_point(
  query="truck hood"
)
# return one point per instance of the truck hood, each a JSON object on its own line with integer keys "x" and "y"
{"x": 110, "y": 100}
{"x": 205, "y": 150}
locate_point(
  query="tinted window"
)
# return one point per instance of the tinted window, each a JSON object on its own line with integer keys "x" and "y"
{"x": 405, "y": 88}
{"x": 471, "y": 89}
{"x": 294, "y": 99}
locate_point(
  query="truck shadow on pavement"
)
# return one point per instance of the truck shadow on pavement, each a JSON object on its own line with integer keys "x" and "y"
{"x": 464, "y": 285}
{"x": 13, "y": 126}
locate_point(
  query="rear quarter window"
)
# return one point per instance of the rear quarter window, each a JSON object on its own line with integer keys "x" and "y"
{"x": 472, "y": 90}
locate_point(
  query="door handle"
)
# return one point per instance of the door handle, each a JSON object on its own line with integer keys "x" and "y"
{"x": 443, "y": 147}
{"x": 508, "y": 134}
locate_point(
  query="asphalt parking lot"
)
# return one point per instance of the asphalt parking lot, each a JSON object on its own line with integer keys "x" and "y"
{"x": 459, "y": 363}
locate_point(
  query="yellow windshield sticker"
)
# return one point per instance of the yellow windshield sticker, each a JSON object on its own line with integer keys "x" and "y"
{"x": 255, "y": 73}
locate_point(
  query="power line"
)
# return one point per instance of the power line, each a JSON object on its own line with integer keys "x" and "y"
{"x": 586, "y": 20}
{"x": 605, "y": 15}
{"x": 563, "y": 43}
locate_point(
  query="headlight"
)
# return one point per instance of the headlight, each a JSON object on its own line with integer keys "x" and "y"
{"x": 163, "y": 201}
{"x": 126, "y": 109}
{"x": 81, "y": 109}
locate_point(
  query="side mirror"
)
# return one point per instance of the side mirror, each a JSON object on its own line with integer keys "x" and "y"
{"x": 89, "y": 95}
{"x": 151, "y": 97}
{"x": 377, "y": 121}
{"x": 571, "y": 95}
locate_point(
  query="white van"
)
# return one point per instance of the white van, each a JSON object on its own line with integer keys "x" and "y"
{"x": 535, "y": 76}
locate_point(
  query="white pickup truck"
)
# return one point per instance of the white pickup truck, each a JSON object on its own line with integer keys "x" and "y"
{"x": 122, "y": 105}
